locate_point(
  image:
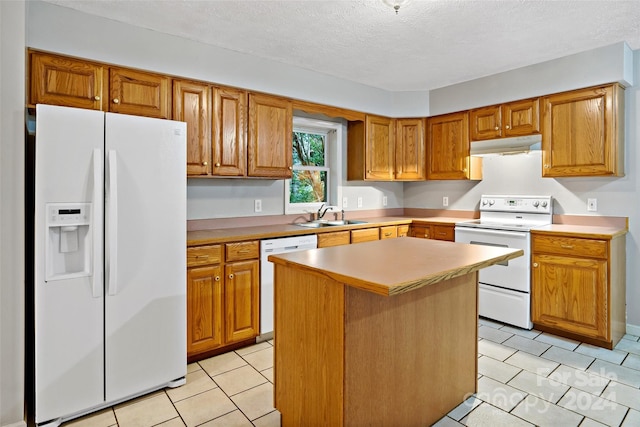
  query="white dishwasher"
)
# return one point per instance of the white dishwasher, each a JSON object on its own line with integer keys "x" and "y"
{"x": 272, "y": 247}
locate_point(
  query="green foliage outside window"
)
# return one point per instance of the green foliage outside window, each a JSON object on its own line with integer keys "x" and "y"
{"x": 308, "y": 183}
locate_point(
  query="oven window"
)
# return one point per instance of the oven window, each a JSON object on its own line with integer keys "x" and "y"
{"x": 504, "y": 263}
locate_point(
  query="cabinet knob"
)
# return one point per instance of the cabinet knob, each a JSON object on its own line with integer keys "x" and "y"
{"x": 116, "y": 101}
{"x": 217, "y": 165}
{"x": 546, "y": 166}
{"x": 535, "y": 264}
{"x": 231, "y": 276}
{"x": 464, "y": 170}
{"x": 497, "y": 128}
{"x": 97, "y": 98}
{"x": 205, "y": 163}
{"x": 508, "y": 127}
{"x": 290, "y": 168}
{"x": 217, "y": 278}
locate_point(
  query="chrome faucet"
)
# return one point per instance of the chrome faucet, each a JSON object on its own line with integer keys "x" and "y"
{"x": 321, "y": 212}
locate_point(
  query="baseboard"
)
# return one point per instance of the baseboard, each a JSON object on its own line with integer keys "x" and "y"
{"x": 633, "y": 330}
{"x": 18, "y": 424}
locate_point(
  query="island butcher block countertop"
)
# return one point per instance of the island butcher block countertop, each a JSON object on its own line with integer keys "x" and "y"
{"x": 395, "y": 266}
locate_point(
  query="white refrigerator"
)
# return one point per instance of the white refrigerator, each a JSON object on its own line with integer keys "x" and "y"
{"x": 109, "y": 241}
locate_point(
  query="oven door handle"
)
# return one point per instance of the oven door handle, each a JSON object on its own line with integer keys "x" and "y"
{"x": 492, "y": 232}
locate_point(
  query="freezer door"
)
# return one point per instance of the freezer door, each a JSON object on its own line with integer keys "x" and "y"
{"x": 145, "y": 244}
{"x": 68, "y": 305}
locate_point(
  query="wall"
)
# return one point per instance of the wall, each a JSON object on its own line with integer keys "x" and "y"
{"x": 12, "y": 41}
{"x": 616, "y": 196}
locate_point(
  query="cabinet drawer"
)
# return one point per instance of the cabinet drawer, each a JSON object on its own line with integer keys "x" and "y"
{"x": 403, "y": 230}
{"x": 388, "y": 232}
{"x": 204, "y": 255}
{"x": 242, "y": 250}
{"x": 365, "y": 235}
{"x": 336, "y": 238}
{"x": 570, "y": 246}
{"x": 443, "y": 232}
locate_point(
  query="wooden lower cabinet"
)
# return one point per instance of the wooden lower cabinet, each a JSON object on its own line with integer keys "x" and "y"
{"x": 223, "y": 297}
{"x": 365, "y": 235}
{"x": 335, "y": 238}
{"x": 388, "y": 232}
{"x": 578, "y": 287}
{"x": 433, "y": 231}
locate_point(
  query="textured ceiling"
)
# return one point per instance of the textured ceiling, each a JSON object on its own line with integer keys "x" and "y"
{"x": 428, "y": 44}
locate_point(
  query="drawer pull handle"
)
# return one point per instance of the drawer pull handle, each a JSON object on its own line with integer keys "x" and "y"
{"x": 566, "y": 246}
{"x": 243, "y": 251}
{"x": 231, "y": 276}
{"x": 387, "y": 234}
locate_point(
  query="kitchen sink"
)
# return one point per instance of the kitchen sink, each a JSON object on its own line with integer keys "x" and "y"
{"x": 327, "y": 223}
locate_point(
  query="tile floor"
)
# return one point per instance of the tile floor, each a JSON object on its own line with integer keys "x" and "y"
{"x": 525, "y": 378}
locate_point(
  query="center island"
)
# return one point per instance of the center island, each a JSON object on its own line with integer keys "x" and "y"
{"x": 381, "y": 333}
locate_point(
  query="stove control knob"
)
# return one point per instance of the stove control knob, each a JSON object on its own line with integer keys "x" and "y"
{"x": 544, "y": 204}
{"x": 536, "y": 203}
{"x": 491, "y": 202}
{"x": 484, "y": 202}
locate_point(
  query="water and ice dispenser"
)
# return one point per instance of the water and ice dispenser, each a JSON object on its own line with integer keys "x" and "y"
{"x": 69, "y": 242}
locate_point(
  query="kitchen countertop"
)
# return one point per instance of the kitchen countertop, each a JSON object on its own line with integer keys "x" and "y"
{"x": 586, "y": 231}
{"x": 221, "y": 235}
{"x": 394, "y": 266}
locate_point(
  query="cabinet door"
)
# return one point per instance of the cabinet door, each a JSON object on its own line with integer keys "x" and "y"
{"x": 335, "y": 238}
{"x": 204, "y": 309}
{"x": 192, "y": 104}
{"x": 444, "y": 232}
{"x": 448, "y": 147}
{"x": 242, "y": 300}
{"x": 486, "y": 123}
{"x": 365, "y": 235}
{"x": 521, "y": 117}
{"x": 410, "y": 150}
{"x": 570, "y": 294}
{"x": 139, "y": 93}
{"x": 388, "y": 232}
{"x": 580, "y": 133}
{"x": 230, "y": 132}
{"x": 420, "y": 231}
{"x": 379, "y": 148}
{"x": 270, "y": 137}
{"x": 403, "y": 230}
{"x": 58, "y": 80}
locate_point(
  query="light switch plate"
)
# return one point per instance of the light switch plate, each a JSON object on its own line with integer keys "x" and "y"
{"x": 257, "y": 205}
{"x": 592, "y": 205}
{"x": 359, "y": 202}
{"x": 345, "y": 202}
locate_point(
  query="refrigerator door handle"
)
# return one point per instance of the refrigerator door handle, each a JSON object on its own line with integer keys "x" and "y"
{"x": 96, "y": 279}
{"x": 112, "y": 238}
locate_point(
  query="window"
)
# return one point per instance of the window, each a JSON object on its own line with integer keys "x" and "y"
{"x": 310, "y": 185}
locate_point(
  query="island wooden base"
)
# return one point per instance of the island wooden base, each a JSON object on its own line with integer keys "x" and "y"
{"x": 348, "y": 357}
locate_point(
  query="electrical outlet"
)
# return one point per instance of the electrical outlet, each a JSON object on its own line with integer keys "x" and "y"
{"x": 592, "y": 205}
{"x": 359, "y": 202}
{"x": 345, "y": 202}
{"x": 257, "y": 205}
{"x": 384, "y": 200}
{"x": 445, "y": 201}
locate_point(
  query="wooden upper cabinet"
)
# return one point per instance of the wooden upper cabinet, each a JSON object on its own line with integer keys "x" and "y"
{"x": 379, "y": 148}
{"x": 139, "y": 93}
{"x": 69, "y": 82}
{"x": 516, "y": 118}
{"x": 371, "y": 149}
{"x": 448, "y": 147}
{"x": 583, "y": 132}
{"x": 270, "y": 137}
{"x": 410, "y": 159}
{"x": 229, "y": 132}
{"x": 192, "y": 104}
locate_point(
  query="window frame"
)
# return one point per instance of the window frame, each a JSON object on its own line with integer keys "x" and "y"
{"x": 324, "y": 128}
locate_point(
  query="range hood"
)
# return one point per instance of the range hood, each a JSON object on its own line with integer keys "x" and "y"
{"x": 514, "y": 145}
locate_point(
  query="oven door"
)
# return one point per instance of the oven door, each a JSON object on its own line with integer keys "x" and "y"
{"x": 513, "y": 274}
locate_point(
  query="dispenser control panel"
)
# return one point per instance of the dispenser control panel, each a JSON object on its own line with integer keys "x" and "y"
{"x": 61, "y": 214}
